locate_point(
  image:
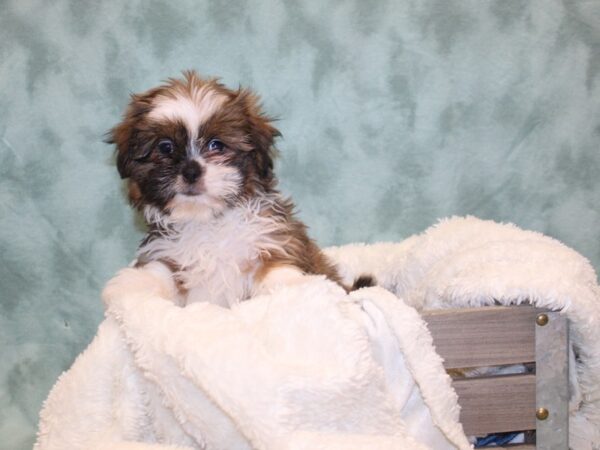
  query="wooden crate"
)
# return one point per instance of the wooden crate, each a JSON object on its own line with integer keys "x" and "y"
{"x": 499, "y": 336}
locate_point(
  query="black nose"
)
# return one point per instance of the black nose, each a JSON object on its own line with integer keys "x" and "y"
{"x": 191, "y": 171}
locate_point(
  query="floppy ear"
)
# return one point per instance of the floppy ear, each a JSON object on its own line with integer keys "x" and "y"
{"x": 125, "y": 135}
{"x": 261, "y": 132}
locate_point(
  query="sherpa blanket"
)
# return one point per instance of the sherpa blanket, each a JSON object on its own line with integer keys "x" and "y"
{"x": 309, "y": 367}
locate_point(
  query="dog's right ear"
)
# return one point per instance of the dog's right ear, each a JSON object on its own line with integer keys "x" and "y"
{"x": 120, "y": 135}
{"x": 126, "y": 135}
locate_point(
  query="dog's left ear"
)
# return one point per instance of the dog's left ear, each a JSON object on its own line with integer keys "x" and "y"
{"x": 261, "y": 132}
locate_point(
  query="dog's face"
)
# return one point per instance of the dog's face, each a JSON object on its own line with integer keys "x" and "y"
{"x": 191, "y": 148}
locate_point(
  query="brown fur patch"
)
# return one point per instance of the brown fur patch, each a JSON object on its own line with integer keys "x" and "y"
{"x": 298, "y": 249}
{"x": 363, "y": 281}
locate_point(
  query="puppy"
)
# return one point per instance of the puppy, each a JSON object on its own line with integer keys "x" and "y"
{"x": 198, "y": 159}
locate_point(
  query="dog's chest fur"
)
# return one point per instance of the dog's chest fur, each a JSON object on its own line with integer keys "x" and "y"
{"x": 217, "y": 259}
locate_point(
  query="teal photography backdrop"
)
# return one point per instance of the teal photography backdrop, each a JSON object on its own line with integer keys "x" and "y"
{"x": 394, "y": 114}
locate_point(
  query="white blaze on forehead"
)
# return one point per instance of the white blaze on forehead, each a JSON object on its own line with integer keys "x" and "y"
{"x": 192, "y": 109}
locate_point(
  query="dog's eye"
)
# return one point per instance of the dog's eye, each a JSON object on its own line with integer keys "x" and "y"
{"x": 215, "y": 145}
{"x": 165, "y": 147}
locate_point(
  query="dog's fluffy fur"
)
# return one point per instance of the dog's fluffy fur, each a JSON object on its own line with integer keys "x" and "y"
{"x": 198, "y": 158}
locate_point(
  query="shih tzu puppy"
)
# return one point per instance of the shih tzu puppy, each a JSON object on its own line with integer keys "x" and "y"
{"x": 198, "y": 159}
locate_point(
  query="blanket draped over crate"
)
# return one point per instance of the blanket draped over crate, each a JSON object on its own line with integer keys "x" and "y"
{"x": 309, "y": 367}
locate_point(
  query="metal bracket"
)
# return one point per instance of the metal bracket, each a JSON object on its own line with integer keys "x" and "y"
{"x": 552, "y": 381}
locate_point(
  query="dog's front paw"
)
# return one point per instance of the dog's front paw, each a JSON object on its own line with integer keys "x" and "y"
{"x": 279, "y": 277}
{"x": 152, "y": 279}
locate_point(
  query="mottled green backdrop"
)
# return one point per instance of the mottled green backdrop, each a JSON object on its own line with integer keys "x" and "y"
{"x": 394, "y": 114}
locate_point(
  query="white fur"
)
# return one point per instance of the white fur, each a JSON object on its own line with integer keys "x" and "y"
{"x": 192, "y": 110}
{"x": 219, "y": 256}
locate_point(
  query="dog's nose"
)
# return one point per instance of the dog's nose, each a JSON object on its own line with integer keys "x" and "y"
{"x": 191, "y": 171}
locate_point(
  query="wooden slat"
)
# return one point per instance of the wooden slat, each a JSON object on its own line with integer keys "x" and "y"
{"x": 496, "y": 404}
{"x": 486, "y": 336}
{"x": 515, "y": 447}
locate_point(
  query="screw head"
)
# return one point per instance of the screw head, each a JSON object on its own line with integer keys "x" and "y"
{"x": 542, "y": 413}
{"x": 541, "y": 319}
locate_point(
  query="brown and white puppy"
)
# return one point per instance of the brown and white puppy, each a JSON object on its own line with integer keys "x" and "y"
{"x": 198, "y": 158}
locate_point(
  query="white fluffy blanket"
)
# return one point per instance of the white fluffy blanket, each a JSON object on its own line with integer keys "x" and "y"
{"x": 309, "y": 367}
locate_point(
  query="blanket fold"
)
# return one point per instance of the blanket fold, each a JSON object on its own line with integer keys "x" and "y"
{"x": 308, "y": 366}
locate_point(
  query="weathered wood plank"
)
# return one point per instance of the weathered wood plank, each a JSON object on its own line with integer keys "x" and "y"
{"x": 496, "y": 404}
{"x": 515, "y": 447}
{"x": 486, "y": 336}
